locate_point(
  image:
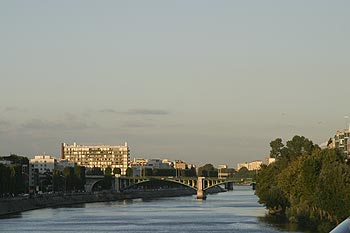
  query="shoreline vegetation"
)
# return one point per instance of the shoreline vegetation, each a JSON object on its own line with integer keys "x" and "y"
{"x": 308, "y": 185}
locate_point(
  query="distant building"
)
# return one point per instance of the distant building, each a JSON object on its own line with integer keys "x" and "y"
{"x": 251, "y": 166}
{"x": 43, "y": 163}
{"x": 222, "y": 166}
{"x": 179, "y": 164}
{"x": 167, "y": 161}
{"x": 139, "y": 166}
{"x": 101, "y": 156}
{"x": 157, "y": 163}
{"x": 341, "y": 141}
{"x": 38, "y": 166}
{"x": 63, "y": 163}
{"x": 138, "y": 162}
{"x": 269, "y": 160}
{"x": 5, "y": 162}
{"x": 223, "y": 171}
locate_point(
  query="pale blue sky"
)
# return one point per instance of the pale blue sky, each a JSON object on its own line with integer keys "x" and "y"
{"x": 202, "y": 81}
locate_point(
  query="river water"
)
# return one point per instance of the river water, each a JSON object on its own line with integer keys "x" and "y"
{"x": 236, "y": 211}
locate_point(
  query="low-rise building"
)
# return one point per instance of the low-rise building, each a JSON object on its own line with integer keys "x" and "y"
{"x": 167, "y": 161}
{"x": 269, "y": 160}
{"x": 251, "y": 166}
{"x": 5, "y": 162}
{"x": 44, "y": 163}
{"x": 157, "y": 163}
{"x": 63, "y": 163}
{"x": 138, "y": 161}
{"x": 179, "y": 164}
{"x": 38, "y": 166}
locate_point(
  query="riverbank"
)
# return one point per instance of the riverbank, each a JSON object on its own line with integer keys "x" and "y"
{"x": 16, "y": 205}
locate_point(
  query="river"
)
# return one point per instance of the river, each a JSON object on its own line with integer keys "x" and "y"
{"x": 236, "y": 211}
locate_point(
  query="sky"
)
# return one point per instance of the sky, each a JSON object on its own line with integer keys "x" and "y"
{"x": 202, "y": 81}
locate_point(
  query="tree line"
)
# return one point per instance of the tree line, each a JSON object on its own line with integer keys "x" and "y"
{"x": 13, "y": 177}
{"x": 307, "y": 185}
{"x": 11, "y": 180}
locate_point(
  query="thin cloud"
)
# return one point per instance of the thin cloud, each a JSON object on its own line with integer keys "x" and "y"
{"x": 5, "y": 126}
{"x": 145, "y": 111}
{"x": 136, "y": 111}
{"x": 108, "y": 110}
{"x": 137, "y": 124}
{"x": 4, "y": 123}
{"x": 39, "y": 124}
{"x": 11, "y": 109}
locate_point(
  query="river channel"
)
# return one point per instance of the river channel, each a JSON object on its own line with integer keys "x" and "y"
{"x": 236, "y": 211}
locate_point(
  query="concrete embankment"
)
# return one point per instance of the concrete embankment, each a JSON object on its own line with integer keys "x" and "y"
{"x": 17, "y": 204}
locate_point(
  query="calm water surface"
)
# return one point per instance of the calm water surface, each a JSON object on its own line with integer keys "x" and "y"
{"x": 236, "y": 211}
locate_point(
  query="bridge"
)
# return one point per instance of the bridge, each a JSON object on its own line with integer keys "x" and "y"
{"x": 199, "y": 184}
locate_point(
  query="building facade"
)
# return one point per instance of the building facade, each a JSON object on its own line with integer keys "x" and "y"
{"x": 101, "y": 156}
{"x": 269, "y": 160}
{"x": 342, "y": 142}
{"x": 38, "y": 166}
{"x": 254, "y": 165}
{"x": 44, "y": 163}
{"x": 179, "y": 164}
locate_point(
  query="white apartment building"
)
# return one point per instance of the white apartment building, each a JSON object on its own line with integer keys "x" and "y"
{"x": 101, "y": 156}
{"x": 43, "y": 163}
{"x": 38, "y": 166}
{"x": 251, "y": 166}
{"x": 157, "y": 163}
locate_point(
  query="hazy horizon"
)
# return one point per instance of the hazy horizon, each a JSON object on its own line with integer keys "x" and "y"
{"x": 202, "y": 81}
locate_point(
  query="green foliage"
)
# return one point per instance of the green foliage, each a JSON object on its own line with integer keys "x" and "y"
{"x": 15, "y": 159}
{"x": 310, "y": 186}
{"x": 129, "y": 172}
{"x": 244, "y": 173}
{"x": 95, "y": 171}
{"x": 117, "y": 170}
{"x": 276, "y": 147}
{"x": 108, "y": 171}
{"x": 74, "y": 178}
{"x": 299, "y": 145}
{"x": 163, "y": 172}
{"x": 207, "y": 170}
{"x": 11, "y": 179}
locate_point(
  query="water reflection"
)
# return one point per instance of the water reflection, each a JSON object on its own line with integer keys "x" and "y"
{"x": 236, "y": 211}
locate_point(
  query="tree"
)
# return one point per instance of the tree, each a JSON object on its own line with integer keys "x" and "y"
{"x": 117, "y": 170}
{"x": 267, "y": 189}
{"x": 95, "y": 171}
{"x": 205, "y": 170}
{"x": 299, "y": 145}
{"x": 79, "y": 176}
{"x": 108, "y": 171}
{"x": 276, "y": 146}
{"x": 309, "y": 185}
{"x": 129, "y": 172}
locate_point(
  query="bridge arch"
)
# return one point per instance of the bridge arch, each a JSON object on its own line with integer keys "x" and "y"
{"x": 155, "y": 181}
{"x": 215, "y": 184}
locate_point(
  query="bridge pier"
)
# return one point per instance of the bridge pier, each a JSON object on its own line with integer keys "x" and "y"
{"x": 200, "y": 192}
{"x": 116, "y": 184}
{"x": 229, "y": 186}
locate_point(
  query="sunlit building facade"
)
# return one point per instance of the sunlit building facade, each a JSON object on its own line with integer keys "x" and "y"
{"x": 342, "y": 141}
{"x": 254, "y": 165}
{"x": 101, "y": 156}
